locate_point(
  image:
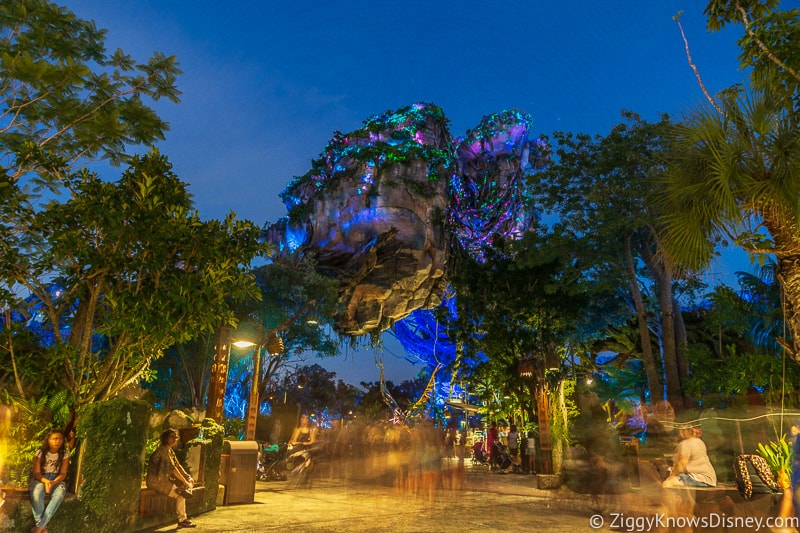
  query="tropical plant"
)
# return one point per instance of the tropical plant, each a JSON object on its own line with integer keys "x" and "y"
{"x": 778, "y": 455}
{"x": 33, "y": 418}
{"x": 132, "y": 278}
{"x": 735, "y": 176}
{"x": 768, "y": 44}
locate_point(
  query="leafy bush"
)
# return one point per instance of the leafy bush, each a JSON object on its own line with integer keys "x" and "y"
{"x": 114, "y": 436}
{"x": 32, "y": 420}
{"x": 778, "y": 455}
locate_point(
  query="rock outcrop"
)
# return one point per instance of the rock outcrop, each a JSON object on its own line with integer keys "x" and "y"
{"x": 381, "y": 205}
{"x": 372, "y": 212}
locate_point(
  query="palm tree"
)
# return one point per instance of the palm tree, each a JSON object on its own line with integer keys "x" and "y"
{"x": 734, "y": 175}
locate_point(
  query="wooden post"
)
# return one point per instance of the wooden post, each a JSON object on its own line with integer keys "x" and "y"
{"x": 219, "y": 374}
{"x": 545, "y": 443}
{"x": 252, "y": 405}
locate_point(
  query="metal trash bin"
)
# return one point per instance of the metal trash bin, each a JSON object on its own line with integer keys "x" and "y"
{"x": 630, "y": 456}
{"x": 237, "y": 471}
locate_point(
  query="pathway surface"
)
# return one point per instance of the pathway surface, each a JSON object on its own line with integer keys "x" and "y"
{"x": 486, "y": 502}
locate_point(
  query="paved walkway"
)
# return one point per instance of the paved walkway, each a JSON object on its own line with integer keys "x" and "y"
{"x": 484, "y": 502}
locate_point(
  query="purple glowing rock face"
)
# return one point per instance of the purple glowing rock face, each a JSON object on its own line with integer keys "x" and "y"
{"x": 374, "y": 208}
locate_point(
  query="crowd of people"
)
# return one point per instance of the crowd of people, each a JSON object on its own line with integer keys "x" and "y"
{"x": 419, "y": 460}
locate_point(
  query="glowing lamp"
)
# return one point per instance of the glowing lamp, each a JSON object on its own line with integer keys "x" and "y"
{"x": 525, "y": 367}
{"x": 244, "y": 344}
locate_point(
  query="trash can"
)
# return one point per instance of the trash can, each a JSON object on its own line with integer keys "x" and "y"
{"x": 237, "y": 471}
{"x": 630, "y": 455}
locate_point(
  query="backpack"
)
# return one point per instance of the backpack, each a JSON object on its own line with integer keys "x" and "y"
{"x": 754, "y": 476}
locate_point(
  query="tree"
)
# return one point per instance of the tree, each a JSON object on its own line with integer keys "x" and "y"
{"x": 733, "y": 340}
{"x": 735, "y": 176}
{"x": 599, "y": 188}
{"x": 136, "y": 271}
{"x": 64, "y": 99}
{"x": 298, "y": 303}
{"x": 526, "y": 299}
{"x": 768, "y": 44}
{"x": 64, "y": 102}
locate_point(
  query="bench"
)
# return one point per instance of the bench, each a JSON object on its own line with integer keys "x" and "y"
{"x": 725, "y": 498}
{"x": 152, "y": 503}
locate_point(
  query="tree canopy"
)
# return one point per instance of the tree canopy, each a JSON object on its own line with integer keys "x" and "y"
{"x": 97, "y": 276}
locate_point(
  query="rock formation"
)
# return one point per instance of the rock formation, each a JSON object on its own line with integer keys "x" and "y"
{"x": 372, "y": 212}
{"x": 374, "y": 207}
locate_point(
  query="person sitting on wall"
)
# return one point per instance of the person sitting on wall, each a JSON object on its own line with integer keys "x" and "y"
{"x": 166, "y": 476}
{"x": 50, "y": 465}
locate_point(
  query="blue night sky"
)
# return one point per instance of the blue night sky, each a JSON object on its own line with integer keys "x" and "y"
{"x": 266, "y": 84}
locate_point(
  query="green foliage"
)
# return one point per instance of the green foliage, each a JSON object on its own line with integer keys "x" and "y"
{"x": 114, "y": 436}
{"x": 138, "y": 274}
{"x": 599, "y": 189}
{"x": 525, "y": 295}
{"x": 66, "y": 98}
{"x": 778, "y": 455}
{"x": 732, "y": 343}
{"x": 144, "y": 272}
{"x": 233, "y": 427}
{"x": 726, "y": 172}
{"x": 32, "y": 419}
{"x": 767, "y": 44}
{"x": 564, "y": 411}
{"x": 297, "y": 303}
{"x": 718, "y": 379}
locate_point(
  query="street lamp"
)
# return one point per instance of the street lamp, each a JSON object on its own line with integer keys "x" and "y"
{"x": 219, "y": 368}
{"x": 274, "y": 346}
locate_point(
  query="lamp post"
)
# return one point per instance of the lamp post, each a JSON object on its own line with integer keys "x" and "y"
{"x": 219, "y": 368}
{"x": 274, "y": 346}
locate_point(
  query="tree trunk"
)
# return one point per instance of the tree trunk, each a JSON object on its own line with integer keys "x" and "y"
{"x": 651, "y": 370}
{"x": 681, "y": 347}
{"x": 681, "y": 341}
{"x": 662, "y": 276}
{"x": 782, "y": 226}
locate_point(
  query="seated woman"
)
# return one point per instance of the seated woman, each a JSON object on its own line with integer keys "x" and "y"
{"x": 50, "y": 464}
{"x": 166, "y": 476}
{"x": 691, "y": 466}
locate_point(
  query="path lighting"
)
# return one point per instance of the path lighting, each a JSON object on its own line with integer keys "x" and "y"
{"x": 274, "y": 345}
{"x": 268, "y": 339}
{"x": 244, "y": 344}
{"x": 525, "y": 367}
